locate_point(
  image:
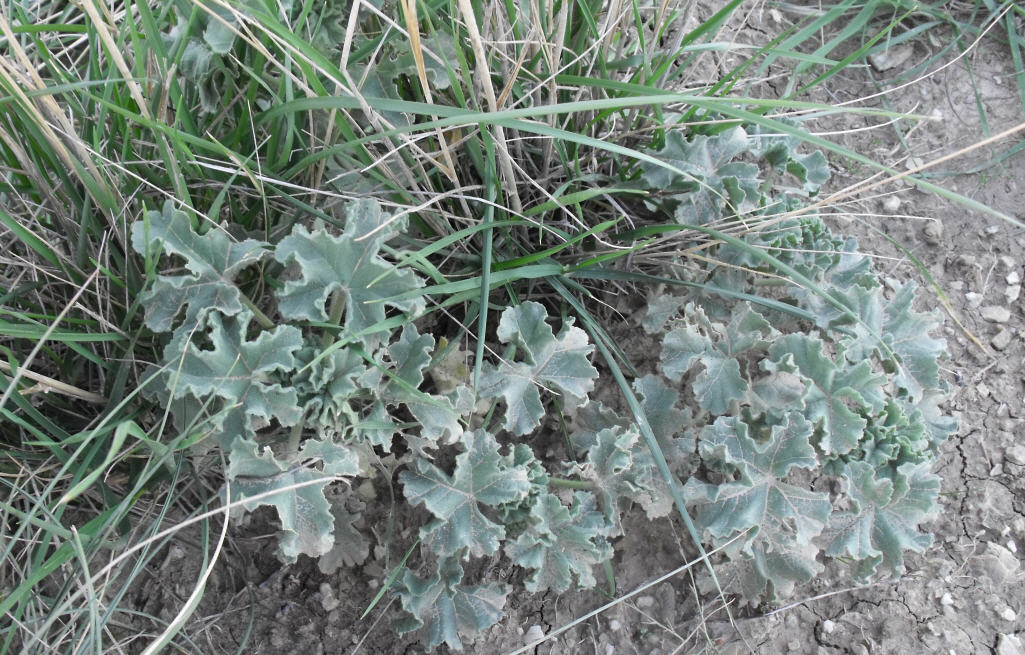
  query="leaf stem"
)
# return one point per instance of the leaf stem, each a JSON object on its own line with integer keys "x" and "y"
{"x": 260, "y": 317}
{"x": 334, "y": 317}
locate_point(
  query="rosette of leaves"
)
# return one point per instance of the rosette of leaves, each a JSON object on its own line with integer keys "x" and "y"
{"x": 844, "y": 384}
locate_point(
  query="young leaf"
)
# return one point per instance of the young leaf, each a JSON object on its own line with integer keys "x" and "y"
{"x": 907, "y": 333}
{"x": 348, "y": 264}
{"x": 213, "y": 261}
{"x": 448, "y": 610}
{"x": 482, "y": 477}
{"x": 561, "y": 543}
{"x": 620, "y": 467}
{"x": 716, "y": 181}
{"x": 831, "y": 391}
{"x": 782, "y": 517}
{"x": 241, "y": 372}
{"x": 559, "y": 361}
{"x": 885, "y": 519}
{"x": 305, "y": 514}
{"x": 350, "y": 548}
{"x": 721, "y": 381}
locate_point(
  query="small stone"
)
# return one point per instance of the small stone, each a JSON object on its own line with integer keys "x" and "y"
{"x": 1012, "y": 547}
{"x": 1012, "y": 292}
{"x": 828, "y": 626}
{"x": 974, "y": 299}
{"x": 1013, "y": 278}
{"x": 891, "y": 57}
{"x": 995, "y": 314}
{"x": 1015, "y": 454}
{"x": 1009, "y": 645}
{"x": 932, "y": 233}
{"x": 1008, "y": 262}
{"x": 947, "y": 600}
{"x": 1008, "y": 614}
{"x": 891, "y": 204}
{"x": 645, "y": 602}
{"x": 327, "y": 597}
{"x": 534, "y": 633}
{"x": 991, "y": 230}
{"x": 982, "y": 389}
{"x": 1001, "y": 339}
{"x": 615, "y": 625}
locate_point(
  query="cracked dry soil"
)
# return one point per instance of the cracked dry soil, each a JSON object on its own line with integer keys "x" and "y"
{"x": 964, "y": 595}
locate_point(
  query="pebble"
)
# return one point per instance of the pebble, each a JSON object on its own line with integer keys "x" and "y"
{"x": 974, "y": 299}
{"x": 1008, "y": 262}
{"x": 995, "y": 314}
{"x": 1012, "y": 292}
{"x": 991, "y": 230}
{"x": 534, "y": 633}
{"x": 1009, "y": 645}
{"x": 891, "y": 204}
{"x": 947, "y": 599}
{"x": 327, "y": 597}
{"x": 1008, "y": 614}
{"x": 828, "y": 626}
{"x": 615, "y": 625}
{"x": 1013, "y": 278}
{"x": 933, "y": 232}
{"x": 1001, "y": 339}
{"x": 645, "y": 601}
{"x": 891, "y": 57}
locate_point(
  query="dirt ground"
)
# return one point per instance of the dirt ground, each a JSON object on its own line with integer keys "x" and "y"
{"x": 964, "y": 595}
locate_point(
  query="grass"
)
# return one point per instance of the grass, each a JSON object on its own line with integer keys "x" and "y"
{"x": 510, "y": 143}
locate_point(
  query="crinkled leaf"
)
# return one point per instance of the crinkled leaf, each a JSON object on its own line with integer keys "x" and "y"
{"x": 350, "y": 548}
{"x": 213, "y": 261}
{"x": 907, "y": 333}
{"x": 349, "y": 264}
{"x": 563, "y": 543}
{"x": 549, "y": 360}
{"x": 241, "y": 372}
{"x": 438, "y": 416}
{"x": 669, "y": 424}
{"x": 620, "y": 467}
{"x": 660, "y": 310}
{"x": 448, "y": 610}
{"x": 714, "y": 183}
{"x": 832, "y": 390}
{"x": 482, "y": 477}
{"x": 305, "y": 514}
{"x": 782, "y": 517}
{"x": 720, "y": 381}
{"x": 885, "y": 519}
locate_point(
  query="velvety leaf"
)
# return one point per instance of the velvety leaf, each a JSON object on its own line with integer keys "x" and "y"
{"x": 482, "y": 477}
{"x": 660, "y": 310}
{"x": 549, "y": 360}
{"x": 305, "y": 514}
{"x": 715, "y": 183}
{"x": 831, "y": 392}
{"x": 668, "y": 424}
{"x": 349, "y": 264}
{"x": 781, "y": 518}
{"x": 885, "y": 517}
{"x": 907, "y": 333}
{"x": 241, "y": 372}
{"x": 350, "y": 548}
{"x": 213, "y": 261}
{"x": 562, "y": 544}
{"x": 447, "y": 610}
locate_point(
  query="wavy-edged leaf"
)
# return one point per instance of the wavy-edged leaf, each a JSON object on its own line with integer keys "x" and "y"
{"x": 306, "y": 521}
{"x": 562, "y": 543}
{"x": 449, "y": 611}
{"x": 243, "y": 373}
{"x": 349, "y": 264}
{"x": 885, "y": 517}
{"x": 907, "y": 333}
{"x": 553, "y": 361}
{"x": 833, "y": 390}
{"x": 350, "y": 547}
{"x": 783, "y": 518}
{"x": 213, "y": 261}
{"x": 716, "y": 346}
{"x": 482, "y": 477}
